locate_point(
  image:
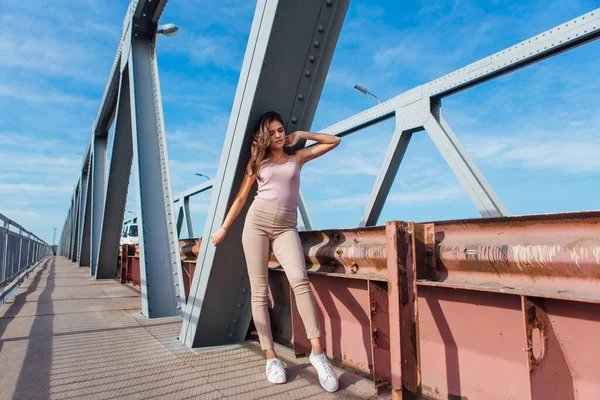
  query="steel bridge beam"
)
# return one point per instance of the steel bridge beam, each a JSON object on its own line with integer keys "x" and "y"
{"x": 132, "y": 87}
{"x": 183, "y": 210}
{"x": 98, "y": 193}
{"x": 117, "y": 185}
{"x": 81, "y": 214}
{"x": 75, "y": 235}
{"x": 86, "y": 243}
{"x": 162, "y": 280}
{"x": 218, "y": 309}
{"x": 470, "y": 177}
{"x": 571, "y": 34}
{"x": 574, "y": 33}
{"x": 416, "y": 112}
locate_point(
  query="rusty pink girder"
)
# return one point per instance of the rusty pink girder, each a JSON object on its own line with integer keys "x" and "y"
{"x": 486, "y": 308}
{"x": 550, "y": 256}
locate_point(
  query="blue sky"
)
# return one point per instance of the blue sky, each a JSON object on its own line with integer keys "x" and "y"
{"x": 534, "y": 133}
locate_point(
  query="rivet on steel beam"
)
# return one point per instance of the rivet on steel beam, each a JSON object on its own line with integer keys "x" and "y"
{"x": 235, "y": 321}
{"x": 311, "y": 59}
{"x": 329, "y": 3}
{"x": 231, "y": 335}
{"x": 354, "y": 268}
{"x": 321, "y": 28}
{"x": 244, "y": 290}
{"x": 316, "y": 43}
{"x": 239, "y": 306}
{"x": 307, "y": 73}
{"x": 294, "y": 120}
{"x": 300, "y": 97}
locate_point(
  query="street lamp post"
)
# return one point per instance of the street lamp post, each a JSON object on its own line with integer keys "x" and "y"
{"x": 167, "y": 30}
{"x": 365, "y": 91}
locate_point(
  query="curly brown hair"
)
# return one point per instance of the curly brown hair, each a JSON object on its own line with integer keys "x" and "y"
{"x": 260, "y": 142}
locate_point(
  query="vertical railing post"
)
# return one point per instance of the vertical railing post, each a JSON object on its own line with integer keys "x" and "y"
{"x": 403, "y": 311}
{"x": 4, "y": 260}
{"x": 19, "y": 259}
{"x": 188, "y": 217}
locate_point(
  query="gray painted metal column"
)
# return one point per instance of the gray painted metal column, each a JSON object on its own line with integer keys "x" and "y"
{"x": 117, "y": 185}
{"x": 98, "y": 189}
{"x": 81, "y": 215}
{"x": 73, "y": 224}
{"x": 188, "y": 217}
{"x": 287, "y": 58}
{"x": 70, "y": 230}
{"x": 160, "y": 266}
{"x": 180, "y": 217}
{"x": 76, "y": 220}
{"x": 85, "y": 244}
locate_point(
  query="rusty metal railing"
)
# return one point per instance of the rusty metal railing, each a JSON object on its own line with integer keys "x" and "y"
{"x": 487, "y": 308}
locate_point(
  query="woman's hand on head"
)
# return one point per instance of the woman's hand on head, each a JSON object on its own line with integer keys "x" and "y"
{"x": 293, "y": 138}
{"x": 218, "y": 236}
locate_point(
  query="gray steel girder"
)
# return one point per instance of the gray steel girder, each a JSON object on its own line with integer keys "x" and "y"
{"x": 160, "y": 269}
{"x": 98, "y": 190}
{"x": 86, "y": 242}
{"x": 288, "y": 55}
{"x": 117, "y": 185}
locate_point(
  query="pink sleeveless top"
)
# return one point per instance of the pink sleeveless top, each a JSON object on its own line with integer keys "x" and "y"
{"x": 279, "y": 183}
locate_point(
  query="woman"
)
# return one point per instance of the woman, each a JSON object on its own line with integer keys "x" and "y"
{"x": 271, "y": 220}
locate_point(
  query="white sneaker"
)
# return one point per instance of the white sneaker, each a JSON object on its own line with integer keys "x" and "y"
{"x": 326, "y": 375}
{"x": 275, "y": 371}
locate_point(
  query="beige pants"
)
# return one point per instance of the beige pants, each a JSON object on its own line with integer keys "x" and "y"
{"x": 268, "y": 223}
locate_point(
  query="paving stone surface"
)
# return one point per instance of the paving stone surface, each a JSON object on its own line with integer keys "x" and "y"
{"x": 64, "y": 335}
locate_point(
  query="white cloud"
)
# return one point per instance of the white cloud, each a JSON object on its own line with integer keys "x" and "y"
{"x": 220, "y": 51}
{"x": 569, "y": 153}
{"x": 187, "y": 140}
{"x": 22, "y": 189}
{"x": 43, "y": 95}
{"x": 434, "y": 194}
{"x": 421, "y": 197}
{"x": 16, "y": 214}
{"x": 199, "y": 207}
{"x": 64, "y": 42}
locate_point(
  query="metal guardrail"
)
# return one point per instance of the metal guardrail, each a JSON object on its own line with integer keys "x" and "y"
{"x": 430, "y": 308}
{"x": 19, "y": 250}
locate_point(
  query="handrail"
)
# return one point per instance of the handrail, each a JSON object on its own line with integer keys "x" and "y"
{"x": 18, "y": 251}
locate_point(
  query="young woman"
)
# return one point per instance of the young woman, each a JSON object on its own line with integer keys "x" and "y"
{"x": 271, "y": 220}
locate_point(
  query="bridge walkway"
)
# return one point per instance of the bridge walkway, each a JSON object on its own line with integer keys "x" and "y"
{"x": 64, "y": 335}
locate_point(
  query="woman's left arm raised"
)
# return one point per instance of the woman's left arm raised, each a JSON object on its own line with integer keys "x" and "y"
{"x": 324, "y": 144}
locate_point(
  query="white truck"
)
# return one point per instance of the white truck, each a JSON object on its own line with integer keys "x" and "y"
{"x": 129, "y": 234}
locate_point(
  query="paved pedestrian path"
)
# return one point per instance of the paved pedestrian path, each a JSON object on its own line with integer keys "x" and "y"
{"x": 64, "y": 335}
